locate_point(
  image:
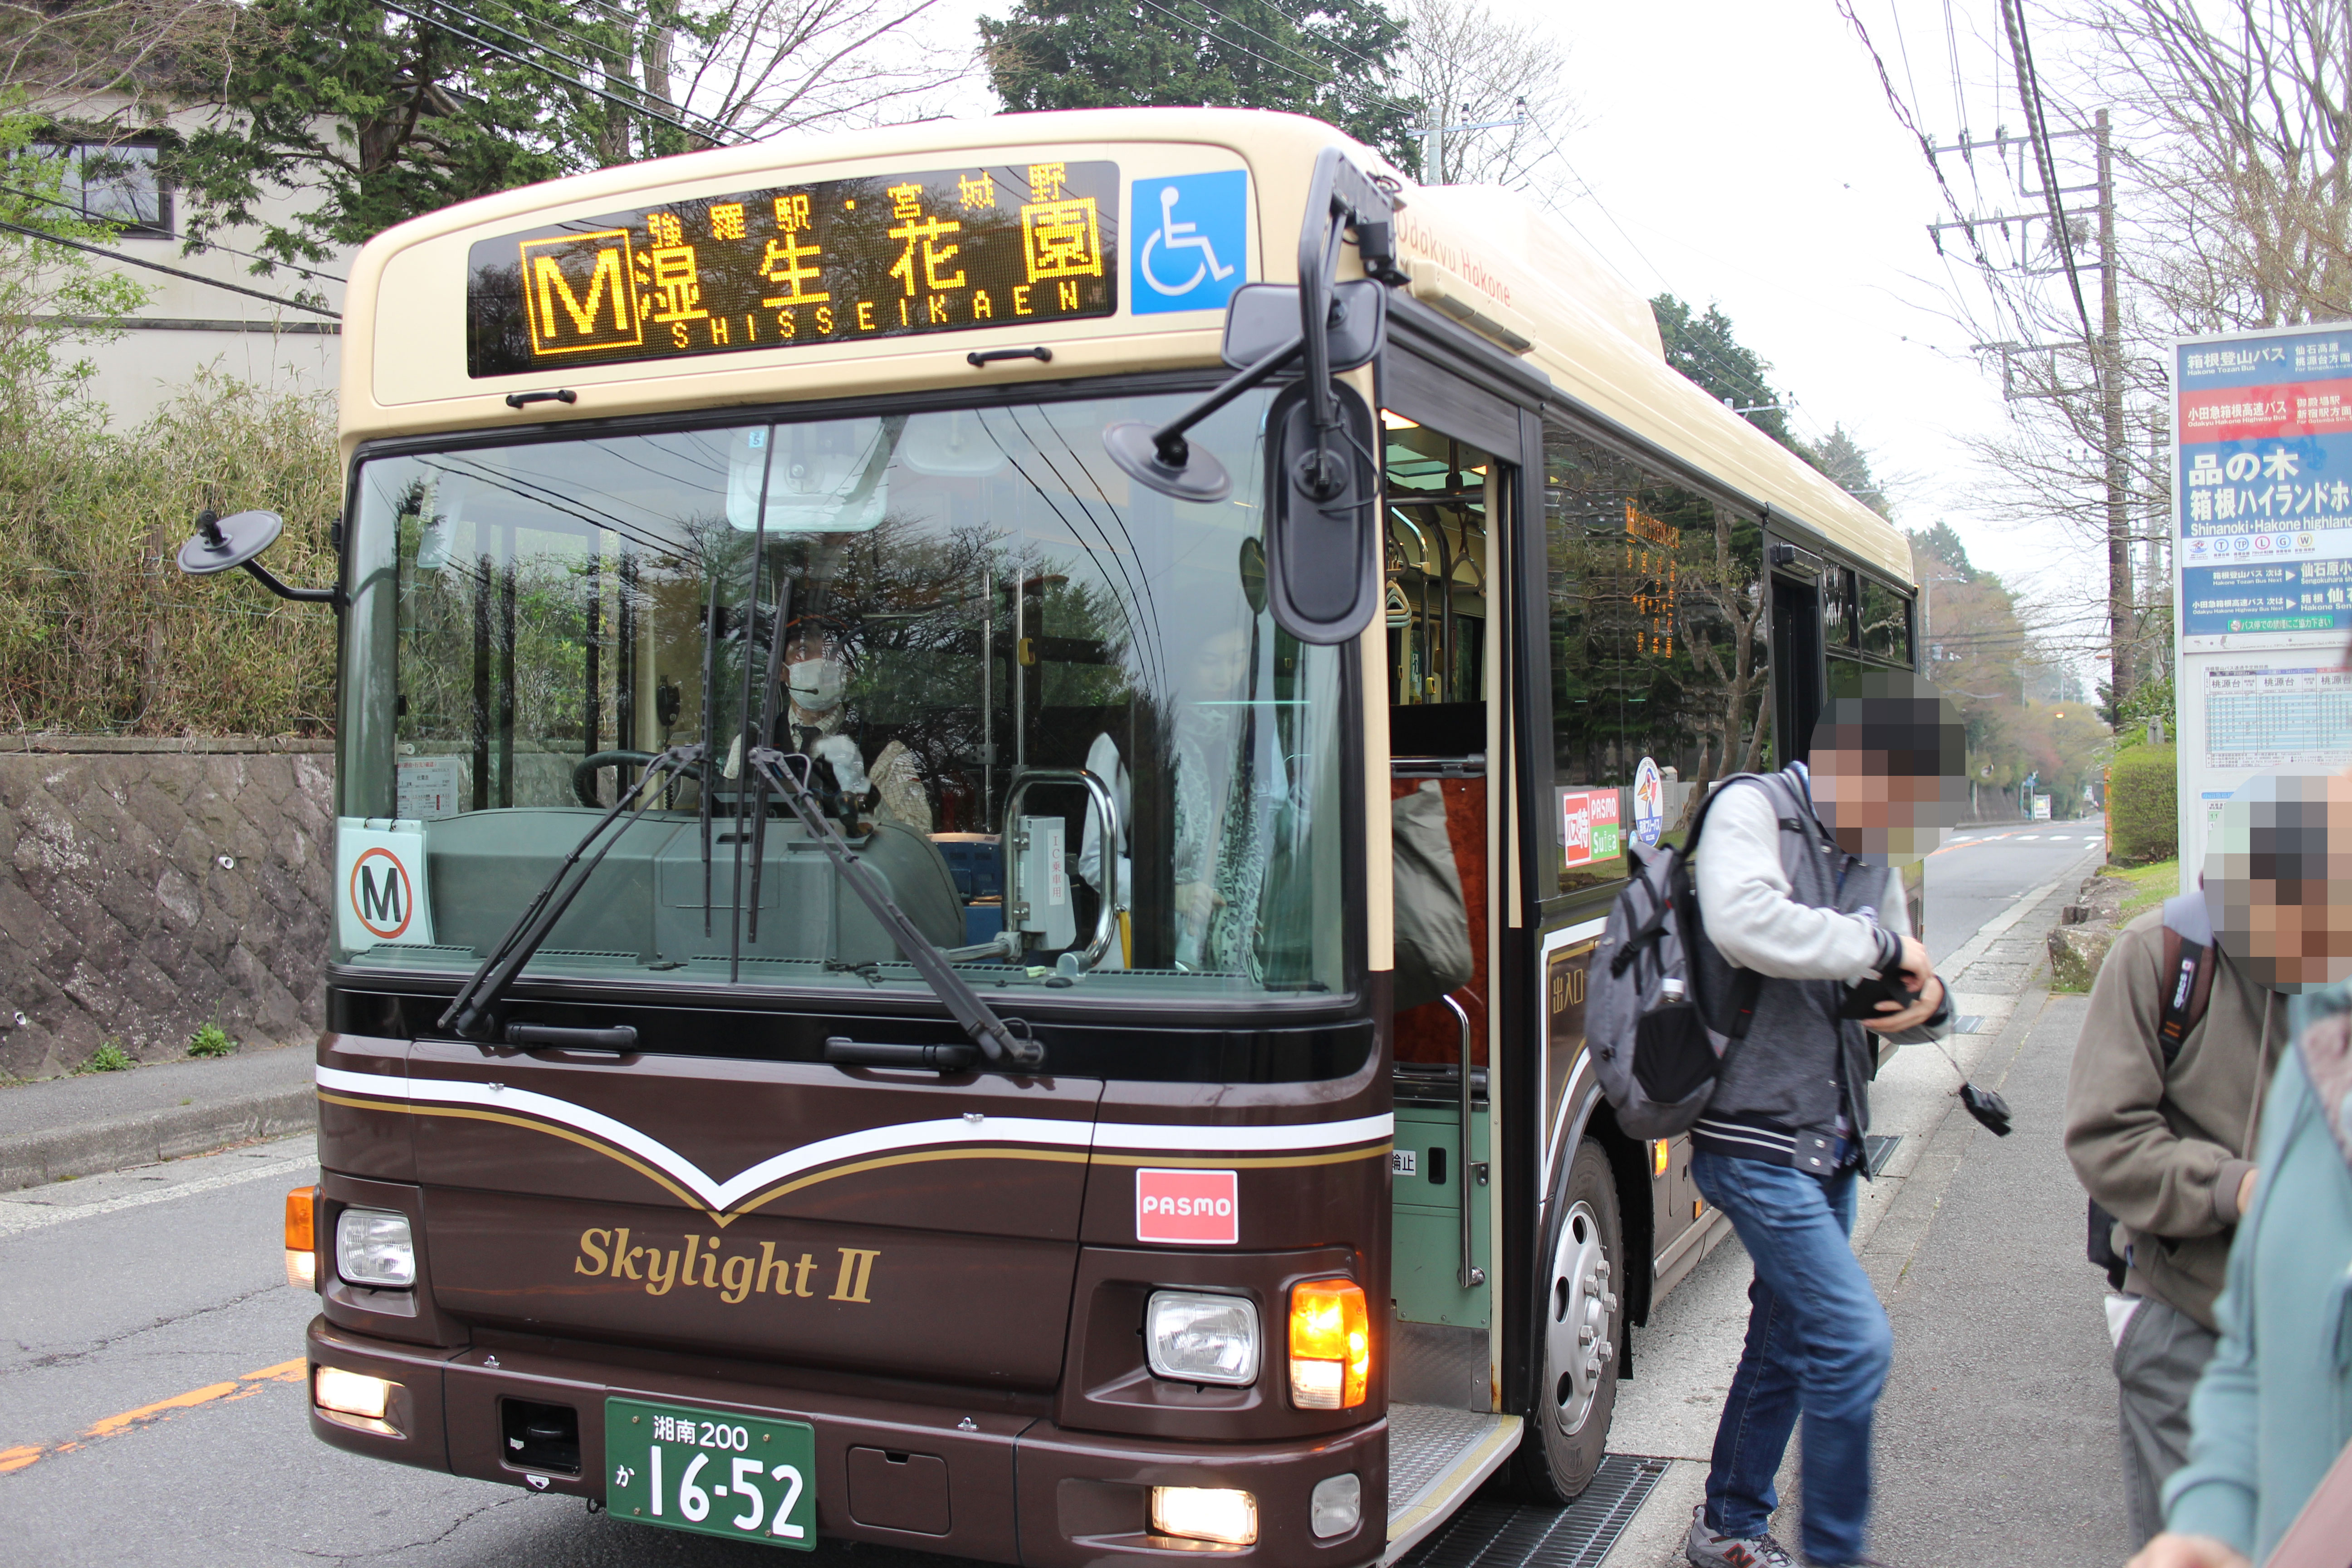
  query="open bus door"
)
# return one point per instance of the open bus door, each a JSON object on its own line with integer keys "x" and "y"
{"x": 1474, "y": 1353}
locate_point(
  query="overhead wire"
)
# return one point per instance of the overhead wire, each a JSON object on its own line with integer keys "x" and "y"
{"x": 209, "y": 245}
{"x": 423, "y": 19}
{"x": 129, "y": 260}
{"x": 585, "y": 66}
{"x": 2037, "y": 128}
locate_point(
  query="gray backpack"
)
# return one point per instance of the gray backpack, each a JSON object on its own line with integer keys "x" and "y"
{"x": 1655, "y": 1049}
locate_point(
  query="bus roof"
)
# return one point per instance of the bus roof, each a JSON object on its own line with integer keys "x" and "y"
{"x": 436, "y": 312}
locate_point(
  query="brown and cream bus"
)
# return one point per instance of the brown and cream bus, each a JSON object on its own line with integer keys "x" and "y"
{"x": 886, "y": 682}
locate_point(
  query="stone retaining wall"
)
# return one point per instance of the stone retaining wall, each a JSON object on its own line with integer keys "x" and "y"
{"x": 149, "y": 887}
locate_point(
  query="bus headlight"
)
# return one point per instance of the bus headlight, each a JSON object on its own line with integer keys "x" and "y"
{"x": 1330, "y": 1345}
{"x": 1195, "y": 1337}
{"x": 1222, "y": 1514}
{"x": 373, "y": 1246}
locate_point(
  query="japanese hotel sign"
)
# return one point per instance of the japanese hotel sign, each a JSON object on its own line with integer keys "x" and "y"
{"x": 2264, "y": 498}
{"x": 836, "y": 260}
{"x": 2262, "y": 562}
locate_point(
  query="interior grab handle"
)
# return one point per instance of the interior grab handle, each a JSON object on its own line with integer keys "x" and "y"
{"x": 1470, "y": 1275}
{"x": 1106, "y": 804}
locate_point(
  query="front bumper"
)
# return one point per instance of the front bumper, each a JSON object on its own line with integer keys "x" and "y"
{"x": 1017, "y": 1488}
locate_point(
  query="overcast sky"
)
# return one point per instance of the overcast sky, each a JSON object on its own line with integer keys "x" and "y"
{"x": 1745, "y": 155}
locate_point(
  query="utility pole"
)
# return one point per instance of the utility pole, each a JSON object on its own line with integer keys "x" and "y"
{"x": 2123, "y": 654}
{"x": 1433, "y": 156}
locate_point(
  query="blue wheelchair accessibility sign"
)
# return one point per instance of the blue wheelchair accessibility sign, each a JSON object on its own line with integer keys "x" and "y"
{"x": 1191, "y": 234}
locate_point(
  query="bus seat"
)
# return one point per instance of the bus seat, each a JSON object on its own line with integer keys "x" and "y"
{"x": 921, "y": 882}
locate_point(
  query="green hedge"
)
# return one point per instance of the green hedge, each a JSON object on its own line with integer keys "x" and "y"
{"x": 2143, "y": 806}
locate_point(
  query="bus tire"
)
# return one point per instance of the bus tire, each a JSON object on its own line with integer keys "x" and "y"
{"x": 1576, "y": 1334}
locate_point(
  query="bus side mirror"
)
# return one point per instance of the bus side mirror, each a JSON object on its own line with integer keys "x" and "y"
{"x": 224, "y": 544}
{"x": 1322, "y": 500}
{"x": 1322, "y": 534}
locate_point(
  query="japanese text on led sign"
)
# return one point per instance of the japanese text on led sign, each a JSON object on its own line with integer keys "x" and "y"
{"x": 1654, "y": 578}
{"x": 835, "y": 261}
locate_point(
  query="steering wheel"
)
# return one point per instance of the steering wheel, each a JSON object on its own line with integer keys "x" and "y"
{"x": 584, "y": 771}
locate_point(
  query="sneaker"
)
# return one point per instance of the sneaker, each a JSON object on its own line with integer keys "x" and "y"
{"x": 1706, "y": 1548}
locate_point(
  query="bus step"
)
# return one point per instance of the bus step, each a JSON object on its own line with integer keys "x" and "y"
{"x": 1518, "y": 1535}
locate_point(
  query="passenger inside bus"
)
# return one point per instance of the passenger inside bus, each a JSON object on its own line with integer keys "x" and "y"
{"x": 971, "y": 608}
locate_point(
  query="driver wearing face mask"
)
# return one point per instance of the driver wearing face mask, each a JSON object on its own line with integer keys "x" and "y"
{"x": 816, "y": 683}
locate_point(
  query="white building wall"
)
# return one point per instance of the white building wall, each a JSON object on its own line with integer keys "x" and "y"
{"x": 186, "y": 326}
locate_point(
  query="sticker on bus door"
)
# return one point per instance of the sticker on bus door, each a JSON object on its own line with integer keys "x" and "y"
{"x": 380, "y": 883}
{"x": 1190, "y": 1208}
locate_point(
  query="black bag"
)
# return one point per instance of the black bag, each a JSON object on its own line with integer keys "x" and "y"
{"x": 1655, "y": 1050}
{"x": 2189, "y": 986}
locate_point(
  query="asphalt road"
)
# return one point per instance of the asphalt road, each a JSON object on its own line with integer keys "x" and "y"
{"x": 149, "y": 1413}
{"x": 1974, "y": 876}
{"x": 152, "y": 1402}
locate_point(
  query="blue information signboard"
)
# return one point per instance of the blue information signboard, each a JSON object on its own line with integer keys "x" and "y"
{"x": 2264, "y": 498}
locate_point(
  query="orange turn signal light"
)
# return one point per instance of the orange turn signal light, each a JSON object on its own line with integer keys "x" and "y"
{"x": 1330, "y": 1345}
{"x": 299, "y": 1205}
{"x": 301, "y": 1254}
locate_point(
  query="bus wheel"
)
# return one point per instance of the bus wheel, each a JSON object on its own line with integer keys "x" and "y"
{"x": 1576, "y": 1336}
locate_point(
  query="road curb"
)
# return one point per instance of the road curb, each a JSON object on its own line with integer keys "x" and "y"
{"x": 29, "y": 1159}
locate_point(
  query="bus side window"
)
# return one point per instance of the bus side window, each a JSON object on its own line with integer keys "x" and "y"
{"x": 1658, "y": 652}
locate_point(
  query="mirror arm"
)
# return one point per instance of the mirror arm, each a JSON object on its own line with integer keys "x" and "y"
{"x": 1168, "y": 439}
{"x": 300, "y": 596}
{"x": 1339, "y": 197}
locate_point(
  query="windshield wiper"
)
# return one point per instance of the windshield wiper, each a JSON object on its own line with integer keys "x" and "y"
{"x": 473, "y": 999}
{"x": 787, "y": 775}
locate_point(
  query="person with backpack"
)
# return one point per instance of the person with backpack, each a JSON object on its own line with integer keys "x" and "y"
{"x": 2186, "y": 1024}
{"x": 1802, "y": 949}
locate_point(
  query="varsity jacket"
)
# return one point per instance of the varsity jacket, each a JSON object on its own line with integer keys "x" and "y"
{"x": 1778, "y": 897}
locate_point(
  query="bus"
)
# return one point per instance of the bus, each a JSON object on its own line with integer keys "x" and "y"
{"x": 891, "y": 686}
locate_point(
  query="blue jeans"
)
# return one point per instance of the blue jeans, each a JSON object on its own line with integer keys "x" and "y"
{"x": 1818, "y": 1341}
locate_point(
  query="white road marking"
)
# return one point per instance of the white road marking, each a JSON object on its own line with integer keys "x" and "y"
{"x": 20, "y": 1213}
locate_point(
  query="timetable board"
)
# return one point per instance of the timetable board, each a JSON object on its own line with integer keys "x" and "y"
{"x": 2262, "y": 562}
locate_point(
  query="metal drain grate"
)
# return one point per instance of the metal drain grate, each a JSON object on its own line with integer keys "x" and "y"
{"x": 1968, "y": 1024}
{"x": 1876, "y": 1150}
{"x": 1507, "y": 1535}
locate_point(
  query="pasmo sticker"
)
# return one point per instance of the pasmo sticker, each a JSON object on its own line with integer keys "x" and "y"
{"x": 1190, "y": 1208}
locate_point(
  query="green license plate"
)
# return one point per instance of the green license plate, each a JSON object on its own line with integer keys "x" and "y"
{"x": 713, "y": 1474}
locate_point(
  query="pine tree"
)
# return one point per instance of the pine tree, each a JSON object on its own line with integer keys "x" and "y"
{"x": 1328, "y": 58}
{"x": 1704, "y": 349}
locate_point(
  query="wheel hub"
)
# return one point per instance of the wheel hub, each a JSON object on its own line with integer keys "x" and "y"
{"x": 1577, "y": 1349}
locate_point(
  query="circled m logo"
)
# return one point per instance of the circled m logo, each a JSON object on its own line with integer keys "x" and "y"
{"x": 383, "y": 898}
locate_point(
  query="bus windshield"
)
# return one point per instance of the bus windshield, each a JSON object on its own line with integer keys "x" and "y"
{"x": 969, "y": 615}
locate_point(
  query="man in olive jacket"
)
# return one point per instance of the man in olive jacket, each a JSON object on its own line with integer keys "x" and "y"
{"x": 2167, "y": 1151}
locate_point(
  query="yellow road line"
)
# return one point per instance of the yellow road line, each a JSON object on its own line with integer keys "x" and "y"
{"x": 242, "y": 1387}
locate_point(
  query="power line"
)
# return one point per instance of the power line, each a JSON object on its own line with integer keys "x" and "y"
{"x": 158, "y": 266}
{"x": 584, "y": 67}
{"x": 460, "y": 34}
{"x": 167, "y": 234}
{"x": 1926, "y": 148}
{"x": 2037, "y": 130}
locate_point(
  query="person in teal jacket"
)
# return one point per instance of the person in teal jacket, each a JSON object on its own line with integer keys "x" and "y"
{"x": 2274, "y": 1406}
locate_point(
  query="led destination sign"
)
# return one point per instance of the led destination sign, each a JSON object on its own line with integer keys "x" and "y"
{"x": 877, "y": 257}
